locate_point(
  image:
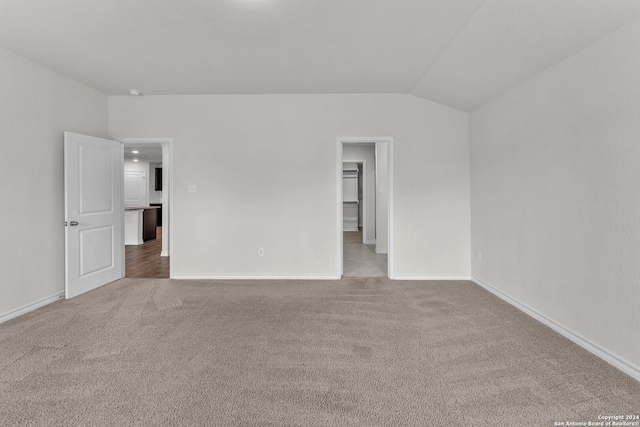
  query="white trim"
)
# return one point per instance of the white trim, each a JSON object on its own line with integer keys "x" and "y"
{"x": 433, "y": 277}
{"x": 390, "y": 229}
{"x": 123, "y": 265}
{"x": 133, "y": 242}
{"x": 164, "y": 253}
{"x": 390, "y": 217}
{"x": 370, "y": 242}
{"x": 146, "y": 140}
{"x": 30, "y": 307}
{"x": 623, "y": 365}
{"x": 381, "y": 250}
{"x": 169, "y": 142}
{"x": 178, "y": 277}
{"x": 339, "y": 208}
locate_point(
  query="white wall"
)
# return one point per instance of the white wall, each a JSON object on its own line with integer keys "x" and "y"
{"x": 366, "y": 152}
{"x": 130, "y": 165}
{"x": 555, "y": 172}
{"x": 382, "y": 198}
{"x": 265, "y": 171}
{"x": 36, "y": 107}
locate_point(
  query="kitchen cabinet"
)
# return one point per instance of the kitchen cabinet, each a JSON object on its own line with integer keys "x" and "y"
{"x": 149, "y": 220}
{"x": 158, "y": 182}
{"x": 139, "y": 224}
{"x": 159, "y": 214}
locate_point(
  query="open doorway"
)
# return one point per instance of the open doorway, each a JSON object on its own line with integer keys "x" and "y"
{"x": 147, "y": 206}
{"x": 365, "y": 206}
{"x": 360, "y": 258}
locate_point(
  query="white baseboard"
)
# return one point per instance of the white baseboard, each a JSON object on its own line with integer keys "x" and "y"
{"x": 164, "y": 253}
{"x": 179, "y": 277}
{"x": 370, "y": 242}
{"x": 133, "y": 242}
{"x": 591, "y": 347}
{"x": 433, "y": 277}
{"x": 30, "y": 307}
{"x": 381, "y": 251}
{"x": 350, "y": 229}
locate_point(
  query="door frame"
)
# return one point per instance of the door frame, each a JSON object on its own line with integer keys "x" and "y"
{"x": 168, "y": 143}
{"x": 390, "y": 225}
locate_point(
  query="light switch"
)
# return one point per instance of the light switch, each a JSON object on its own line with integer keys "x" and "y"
{"x": 191, "y": 188}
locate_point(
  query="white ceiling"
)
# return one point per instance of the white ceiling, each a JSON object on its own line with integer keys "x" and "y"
{"x": 147, "y": 152}
{"x": 461, "y": 53}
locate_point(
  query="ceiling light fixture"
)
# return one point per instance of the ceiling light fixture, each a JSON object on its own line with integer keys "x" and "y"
{"x": 135, "y": 92}
{"x": 135, "y": 160}
{"x": 135, "y": 151}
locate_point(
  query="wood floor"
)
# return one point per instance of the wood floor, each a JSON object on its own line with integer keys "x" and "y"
{"x": 144, "y": 261}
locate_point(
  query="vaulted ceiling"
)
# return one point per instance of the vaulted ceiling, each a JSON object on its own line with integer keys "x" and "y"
{"x": 461, "y": 53}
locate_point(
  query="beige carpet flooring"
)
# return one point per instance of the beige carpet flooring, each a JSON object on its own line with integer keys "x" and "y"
{"x": 354, "y": 352}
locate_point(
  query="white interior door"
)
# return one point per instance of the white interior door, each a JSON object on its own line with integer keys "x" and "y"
{"x": 94, "y": 250}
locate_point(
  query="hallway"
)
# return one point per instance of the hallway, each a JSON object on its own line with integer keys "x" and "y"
{"x": 360, "y": 260}
{"x": 144, "y": 261}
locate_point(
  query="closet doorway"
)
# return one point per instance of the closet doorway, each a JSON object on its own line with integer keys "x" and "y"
{"x": 365, "y": 206}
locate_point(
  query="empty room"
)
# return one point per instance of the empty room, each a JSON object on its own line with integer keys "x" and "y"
{"x": 377, "y": 213}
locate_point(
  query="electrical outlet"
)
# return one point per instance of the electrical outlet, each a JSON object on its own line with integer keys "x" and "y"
{"x": 260, "y": 251}
{"x": 191, "y": 188}
{"x": 479, "y": 255}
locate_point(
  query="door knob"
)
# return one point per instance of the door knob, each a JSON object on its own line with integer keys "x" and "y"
{"x": 73, "y": 223}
